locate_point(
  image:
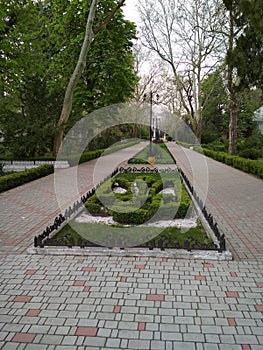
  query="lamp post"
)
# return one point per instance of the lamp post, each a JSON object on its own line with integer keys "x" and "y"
{"x": 151, "y": 118}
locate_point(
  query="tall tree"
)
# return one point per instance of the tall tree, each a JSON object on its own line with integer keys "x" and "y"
{"x": 23, "y": 116}
{"x": 244, "y": 55}
{"x": 40, "y": 44}
{"x": 90, "y": 33}
{"x": 248, "y": 53}
{"x": 215, "y": 107}
{"x": 231, "y": 76}
{"x": 179, "y": 32}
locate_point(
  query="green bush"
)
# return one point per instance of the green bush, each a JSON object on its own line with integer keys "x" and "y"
{"x": 137, "y": 217}
{"x": 182, "y": 210}
{"x": 250, "y": 166}
{"x": 158, "y": 186}
{"x": 122, "y": 182}
{"x": 209, "y": 136}
{"x": 94, "y": 206}
{"x": 16, "y": 179}
{"x": 85, "y": 157}
{"x": 250, "y": 153}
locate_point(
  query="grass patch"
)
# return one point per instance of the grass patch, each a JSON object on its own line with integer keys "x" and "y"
{"x": 135, "y": 210}
{"x": 159, "y": 151}
{"x": 95, "y": 235}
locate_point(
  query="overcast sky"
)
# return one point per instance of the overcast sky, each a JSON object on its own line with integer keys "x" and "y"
{"x": 130, "y": 11}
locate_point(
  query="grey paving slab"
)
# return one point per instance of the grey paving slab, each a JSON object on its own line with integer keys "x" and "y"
{"x": 99, "y": 302}
{"x": 25, "y": 211}
{"x": 233, "y": 197}
{"x": 215, "y": 324}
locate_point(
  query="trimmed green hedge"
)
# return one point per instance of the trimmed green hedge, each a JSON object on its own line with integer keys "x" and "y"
{"x": 16, "y": 179}
{"x": 253, "y": 167}
{"x": 85, "y": 157}
{"x": 89, "y": 155}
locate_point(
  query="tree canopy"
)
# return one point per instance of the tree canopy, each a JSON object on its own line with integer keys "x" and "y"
{"x": 247, "y": 56}
{"x": 40, "y": 42}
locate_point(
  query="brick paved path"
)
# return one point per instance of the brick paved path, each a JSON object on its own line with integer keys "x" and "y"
{"x": 27, "y": 210}
{"x": 88, "y": 303}
{"x": 68, "y": 303}
{"x": 234, "y": 198}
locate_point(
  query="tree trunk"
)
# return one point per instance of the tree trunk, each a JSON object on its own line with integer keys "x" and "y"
{"x": 232, "y": 149}
{"x": 233, "y": 125}
{"x": 198, "y": 131}
{"x": 81, "y": 64}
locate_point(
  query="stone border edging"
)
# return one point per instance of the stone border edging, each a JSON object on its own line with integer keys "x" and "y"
{"x": 131, "y": 252}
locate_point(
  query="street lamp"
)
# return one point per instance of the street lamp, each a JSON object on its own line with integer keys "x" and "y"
{"x": 151, "y": 117}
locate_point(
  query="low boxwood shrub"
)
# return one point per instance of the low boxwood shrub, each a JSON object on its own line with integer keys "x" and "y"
{"x": 16, "y": 179}
{"x": 158, "y": 186}
{"x": 250, "y": 153}
{"x": 136, "y": 217}
{"x": 250, "y": 166}
{"x": 120, "y": 182}
{"x": 182, "y": 210}
{"x": 85, "y": 157}
{"x": 94, "y": 206}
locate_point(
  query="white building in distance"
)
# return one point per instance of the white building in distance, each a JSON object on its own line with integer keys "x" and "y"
{"x": 259, "y": 118}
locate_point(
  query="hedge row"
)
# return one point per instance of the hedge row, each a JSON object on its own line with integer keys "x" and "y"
{"x": 253, "y": 167}
{"x": 85, "y": 157}
{"x": 89, "y": 155}
{"x": 16, "y": 179}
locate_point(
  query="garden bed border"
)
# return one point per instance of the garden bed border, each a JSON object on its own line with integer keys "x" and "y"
{"x": 206, "y": 218}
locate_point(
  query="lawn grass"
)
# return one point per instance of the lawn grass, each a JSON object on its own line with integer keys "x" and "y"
{"x": 90, "y": 235}
{"x": 159, "y": 151}
{"x": 132, "y": 227}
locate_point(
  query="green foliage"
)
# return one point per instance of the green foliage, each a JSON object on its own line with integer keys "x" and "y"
{"x": 169, "y": 238}
{"x": 215, "y": 107}
{"x": 89, "y": 155}
{"x": 40, "y": 43}
{"x": 250, "y": 153}
{"x": 94, "y": 206}
{"x": 253, "y": 167}
{"x": 136, "y": 217}
{"x": 160, "y": 152}
{"x": 109, "y": 76}
{"x": 85, "y": 157}
{"x": 216, "y": 145}
{"x": 216, "y": 115}
{"x": 123, "y": 206}
{"x": 2, "y": 169}
{"x": 16, "y": 179}
{"x": 247, "y": 56}
{"x": 26, "y": 117}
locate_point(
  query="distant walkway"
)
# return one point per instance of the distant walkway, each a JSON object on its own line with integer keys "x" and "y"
{"x": 25, "y": 211}
{"x": 105, "y": 302}
{"x": 234, "y": 198}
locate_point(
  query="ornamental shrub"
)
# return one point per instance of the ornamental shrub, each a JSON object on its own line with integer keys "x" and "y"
{"x": 250, "y": 166}
{"x": 136, "y": 217}
{"x": 17, "y": 179}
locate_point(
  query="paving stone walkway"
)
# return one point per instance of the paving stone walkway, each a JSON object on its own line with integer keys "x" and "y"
{"x": 88, "y": 303}
{"x": 233, "y": 197}
{"x": 60, "y": 303}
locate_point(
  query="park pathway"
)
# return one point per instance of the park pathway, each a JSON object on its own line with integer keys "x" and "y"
{"x": 109, "y": 302}
{"x": 234, "y": 198}
{"x": 25, "y": 211}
